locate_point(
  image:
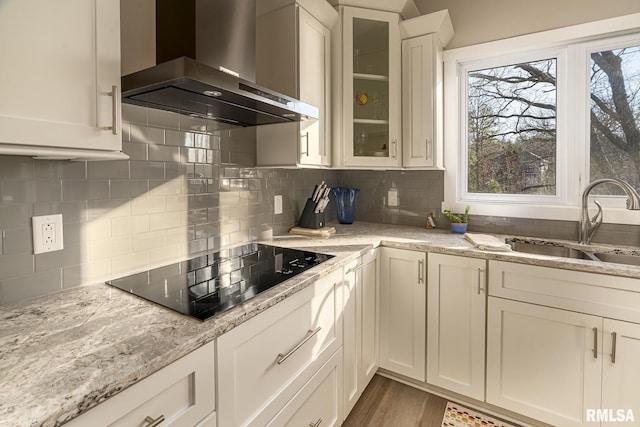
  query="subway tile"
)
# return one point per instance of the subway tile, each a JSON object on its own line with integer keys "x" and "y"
{"x": 206, "y": 171}
{"x": 75, "y": 189}
{"x": 48, "y": 191}
{"x": 48, "y": 261}
{"x": 178, "y": 170}
{"x": 17, "y": 241}
{"x": 164, "y": 153}
{"x": 129, "y": 225}
{"x": 21, "y": 288}
{"x": 178, "y": 203}
{"x": 136, "y": 150}
{"x": 141, "y": 169}
{"x": 15, "y": 215}
{"x": 86, "y": 273}
{"x": 128, "y": 188}
{"x": 50, "y": 169}
{"x": 178, "y": 138}
{"x": 99, "y": 189}
{"x": 109, "y": 248}
{"x": 143, "y": 241}
{"x": 74, "y": 170}
{"x": 97, "y": 229}
{"x": 164, "y": 220}
{"x": 16, "y": 265}
{"x": 204, "y": 201}
{"x": 16, "y": 167}
{"x": 167, "y": 187}
{"x": 193, "y": 155}
{"x": 147, "y": 205}
{"x": 167, "y": 254}
{"x": 134, "y": 114}
{"x": 147, "y": 135}
{"x": 188, "y": 123}
{"x": 14, "y": 191}
{"x": 179, "y": 235}
{"x": 103, "y": 209}
{"x": 163, "y": 119}
{"x": 108, "y": 169}
{"x": 131, "y": 263}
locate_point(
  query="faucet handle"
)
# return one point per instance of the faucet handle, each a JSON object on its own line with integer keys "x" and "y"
{"x": 597, "y": 218}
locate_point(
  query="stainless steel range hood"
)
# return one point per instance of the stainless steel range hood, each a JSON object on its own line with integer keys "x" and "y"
{"x": 195, "y": 41}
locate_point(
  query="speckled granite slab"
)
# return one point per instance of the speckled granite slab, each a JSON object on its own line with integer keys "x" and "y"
{"x": 63, "y": 354}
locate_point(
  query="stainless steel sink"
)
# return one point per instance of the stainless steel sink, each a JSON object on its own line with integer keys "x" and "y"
{"x": 575, "y": 251}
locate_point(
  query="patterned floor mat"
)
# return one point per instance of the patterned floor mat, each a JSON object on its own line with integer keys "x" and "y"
{"x": 459, "y": 416}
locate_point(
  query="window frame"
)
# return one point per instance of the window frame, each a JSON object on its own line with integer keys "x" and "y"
{"x": 571, "y": 46}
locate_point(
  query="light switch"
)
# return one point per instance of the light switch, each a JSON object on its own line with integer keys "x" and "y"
{"x": 277, "y": 205}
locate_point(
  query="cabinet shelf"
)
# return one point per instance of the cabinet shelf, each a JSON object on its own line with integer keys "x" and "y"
{"x": 374, "y": 77}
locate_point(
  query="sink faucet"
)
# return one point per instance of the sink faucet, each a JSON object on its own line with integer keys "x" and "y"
{"x": 588, "y": 226}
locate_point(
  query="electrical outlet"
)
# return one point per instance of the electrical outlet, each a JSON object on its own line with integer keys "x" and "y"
{"x": 392, "y": 197}
{"x": 277, "y": 205}
{"x": 47, "y": 233}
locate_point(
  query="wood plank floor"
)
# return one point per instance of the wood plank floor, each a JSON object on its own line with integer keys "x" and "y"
{"x": 388, "y": 403}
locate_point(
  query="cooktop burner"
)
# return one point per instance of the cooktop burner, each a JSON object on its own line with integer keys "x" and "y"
{"x": 210, "y": 284}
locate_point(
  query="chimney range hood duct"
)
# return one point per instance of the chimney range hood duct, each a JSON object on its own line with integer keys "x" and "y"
{"x": 195, "y": 41}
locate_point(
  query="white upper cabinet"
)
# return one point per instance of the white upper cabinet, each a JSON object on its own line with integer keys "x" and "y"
{"x": 60, "y": 78}
{"x": 423, "y": 39}
{"x": 293, "y": 56}
{"x": 367, "y": 89}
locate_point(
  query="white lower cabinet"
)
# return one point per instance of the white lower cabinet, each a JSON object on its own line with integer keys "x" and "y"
{"x": 621, "y": 371}
{"x": 181, "y": 394}
{"x": 556, "y": 355}
{"x": 360, "y": 320}
{"x": 319, "y": 402}
{"x": 456, "y": 295}
{"x": 540, "y": 361}
{"x": 403, "y": 306}
{"x": 263, "y": 362}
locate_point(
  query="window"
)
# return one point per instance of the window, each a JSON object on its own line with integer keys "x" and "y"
{"x": 511, "y": 129}
{"x": 536, "y": 118}
{"x": 615, "y": 116}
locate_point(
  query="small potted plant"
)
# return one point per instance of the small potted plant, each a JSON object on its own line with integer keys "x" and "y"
{"x": 458, "y": 222}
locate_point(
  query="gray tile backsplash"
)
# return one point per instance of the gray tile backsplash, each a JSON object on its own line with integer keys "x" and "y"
{"x": 189, "y": 187}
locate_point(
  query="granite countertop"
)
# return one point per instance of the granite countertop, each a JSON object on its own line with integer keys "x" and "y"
{"x": 62, "y": 354}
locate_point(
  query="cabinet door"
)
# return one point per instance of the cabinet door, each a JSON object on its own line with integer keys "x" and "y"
{"x": 456, "y": 295}
{"x": 352, "y": 333}
{"x": 315, "y": 88}
{"x": 621, "y": 371}
{"x": 403, "y": 312}
{"x": 293, "y": 56}
{"x": 369, "y": 294}
{"x": 371, "y": 88}
{"x": 418, "y": 112}
{"x": 61, "y": 60}
{"x": 543, "y": 362}
{"x": 360, "y": 320}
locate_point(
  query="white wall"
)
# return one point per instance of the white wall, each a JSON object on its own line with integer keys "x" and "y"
{"x": 478, "y": 21}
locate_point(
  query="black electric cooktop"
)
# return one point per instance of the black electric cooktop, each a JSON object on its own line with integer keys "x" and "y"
{"x": 210, "y": 284}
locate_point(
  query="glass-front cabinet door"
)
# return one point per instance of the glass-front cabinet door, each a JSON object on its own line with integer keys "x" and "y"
{"x": 371, "y": 84}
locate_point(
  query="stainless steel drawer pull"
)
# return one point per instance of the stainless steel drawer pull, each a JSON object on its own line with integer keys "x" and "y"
{"x": 115, "y": 109}
{"x": 595, "y": 343}
{"x": 153, "y": 422}
{"x": 282, "y": 357}
{"x": 420, "y": 269}
{"x": 614, "y": 337}
{"x": 316, "y": 424}
{"x": 479, "y": 280}
{"x": 395, "y": 148}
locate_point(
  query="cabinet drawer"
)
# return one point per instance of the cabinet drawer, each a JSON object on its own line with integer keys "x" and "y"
{"x": 319, "y": 402}
{"x": 264, "y": 361}
{"x": 598, "y": 294}
{"x": 183, "y": 393}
